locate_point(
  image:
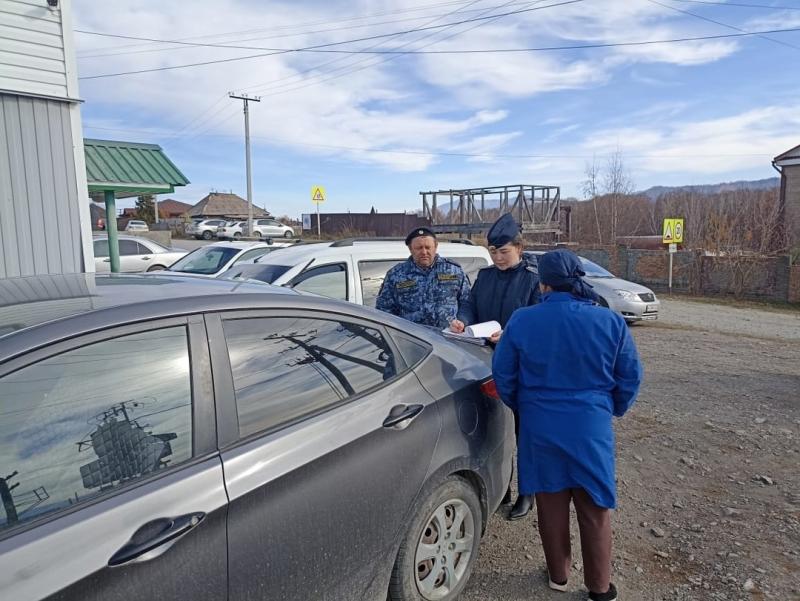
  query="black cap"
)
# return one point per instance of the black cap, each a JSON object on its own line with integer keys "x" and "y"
{"x": 416, "y": 233}
{"x": 503, "y": 231}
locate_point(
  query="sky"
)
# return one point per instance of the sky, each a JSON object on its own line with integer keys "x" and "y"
{"x": 376, "y": 129}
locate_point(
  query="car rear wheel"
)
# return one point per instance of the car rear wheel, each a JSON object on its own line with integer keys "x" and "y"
{"x": 237, "y": 235}
{"x": 436, "y": 557}
{"x": 207, "y": 235}
{"x": 288, "y": 234}
{"x": 156, "y": 268}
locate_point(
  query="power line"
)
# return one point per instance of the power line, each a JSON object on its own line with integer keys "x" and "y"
{"x": 739, "y": 4}
{"x": 276, "y": 51}
{"x": 709, "y": 20}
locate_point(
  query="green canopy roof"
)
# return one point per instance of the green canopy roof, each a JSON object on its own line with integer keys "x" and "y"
{"x": 129, "y": 169}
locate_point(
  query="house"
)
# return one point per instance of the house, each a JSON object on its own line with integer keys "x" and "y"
{"x": 172, "y": 211}
{"x": 221, "y": 205}
{"x": 788, "y": 165}
{"x": 42, "y": 174}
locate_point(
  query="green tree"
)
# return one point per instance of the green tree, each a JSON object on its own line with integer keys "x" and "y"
{"x": 146, "y": 208}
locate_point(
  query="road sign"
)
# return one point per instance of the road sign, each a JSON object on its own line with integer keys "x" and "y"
{"x": 317, "y": 194}
{"x": 673, "y": 248}
{"x": 673, "y": 231}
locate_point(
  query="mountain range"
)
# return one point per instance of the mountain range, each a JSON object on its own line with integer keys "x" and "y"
{"x": 759, "y": 184}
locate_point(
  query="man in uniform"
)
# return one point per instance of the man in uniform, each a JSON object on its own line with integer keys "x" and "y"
{"x": 426, "y": 288}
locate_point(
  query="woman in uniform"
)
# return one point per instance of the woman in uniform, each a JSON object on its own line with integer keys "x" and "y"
{"x": 510, "y": 283}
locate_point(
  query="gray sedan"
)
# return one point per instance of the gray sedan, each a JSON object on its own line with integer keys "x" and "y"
{"x": 165, "y": 437}
{"x": 633, "y": 301}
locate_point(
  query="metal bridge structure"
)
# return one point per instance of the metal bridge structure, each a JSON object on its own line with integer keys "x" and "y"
{"x": 536, "y": 208}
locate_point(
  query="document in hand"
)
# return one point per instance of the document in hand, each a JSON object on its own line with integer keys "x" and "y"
{"x": 477, "y": 331}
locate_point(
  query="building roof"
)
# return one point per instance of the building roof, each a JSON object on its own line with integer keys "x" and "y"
{"x": 129, "y": 169}
{"x": 790, "y": 157}
{"x": 171, "y": 206}
{"x": 220, "y": 204}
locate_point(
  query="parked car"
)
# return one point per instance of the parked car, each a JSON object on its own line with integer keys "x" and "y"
{"x": 135, "y": 255}
{"x": 136, "y": 225}
{"x": 232, "y": 230}
{"x": 209, "y": 261}
{"x": 210, "y": 440}
{"x": 270, "y": 228}
{"x": 205, "y": 229}
{"x": 349, "y": 269}
{"x": 633, "y": 301}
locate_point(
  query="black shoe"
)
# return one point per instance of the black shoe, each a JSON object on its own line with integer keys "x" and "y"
{"x": 507, "y": 497}
{"x": 609, "y": 595}
{"x": 521, "y": 508}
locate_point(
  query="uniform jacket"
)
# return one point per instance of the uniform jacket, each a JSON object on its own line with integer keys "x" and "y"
{"x": 426, "y": 296}
{"x": 497, "y": 293}
{"x": 580, "y": 369}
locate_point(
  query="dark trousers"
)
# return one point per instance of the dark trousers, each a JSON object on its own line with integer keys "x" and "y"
{"x": 595, "y": 529}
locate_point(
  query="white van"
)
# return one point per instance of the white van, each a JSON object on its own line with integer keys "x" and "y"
{"x": 351, "y": 269}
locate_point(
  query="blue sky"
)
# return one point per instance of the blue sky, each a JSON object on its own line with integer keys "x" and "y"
{"x": 372, "y": 128}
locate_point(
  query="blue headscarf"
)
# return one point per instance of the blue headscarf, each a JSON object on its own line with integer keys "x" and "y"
{"x": 562, "y": 268}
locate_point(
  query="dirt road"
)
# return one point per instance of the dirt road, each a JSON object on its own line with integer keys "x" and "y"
{"x": 708, "y": 469}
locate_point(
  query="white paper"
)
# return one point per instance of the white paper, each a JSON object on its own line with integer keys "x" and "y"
{"x": 478, "y": 330}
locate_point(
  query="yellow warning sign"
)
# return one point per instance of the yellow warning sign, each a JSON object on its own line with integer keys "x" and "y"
{"x": 673, "y": 231}
{"x": 317, "y": 194}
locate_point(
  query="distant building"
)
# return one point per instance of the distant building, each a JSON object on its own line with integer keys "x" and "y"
{"x": 43, "y": 193}
{"x": 788, "y": 165}
{"x": 221, "y": 205}
{"x": 170, "y": 209}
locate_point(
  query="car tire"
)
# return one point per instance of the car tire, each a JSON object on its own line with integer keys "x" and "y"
{"x": 207, "y": 235}
{"x": 156, "y": 268}
{"x": 259, "y": 235}
{"x": 288, "y": 234}
{"x": 441, "y": 546}
{"x": 236, "y": 235}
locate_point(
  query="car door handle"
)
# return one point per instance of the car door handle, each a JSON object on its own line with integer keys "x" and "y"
{"x": 401, "y": 413}
{"x": 146, "y": 258}
{"x": 153, "y": 535}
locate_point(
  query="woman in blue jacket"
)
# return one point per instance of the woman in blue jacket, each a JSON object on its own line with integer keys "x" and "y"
{"x": 567, "y": 381}
{"x": 498, "y": 291}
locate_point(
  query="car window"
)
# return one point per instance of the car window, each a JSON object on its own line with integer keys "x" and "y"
{"x": 326, "y": 280}
{"x": 412, "y": 350}
{"x": 470, "y": 265}
{"x": 92, "y": 419}
{"x": 372, "y": 274}
{"x": 205, "y": 260}
{"x": 128, "y": 248}
{"x": 101, "y": 248}
{"x": 252, "y": 254}
{"x": 255, "y": 271}
{"x": 142, "y": 249}
{"x": 285, "y": 368}
{"x": 593, "y": 270}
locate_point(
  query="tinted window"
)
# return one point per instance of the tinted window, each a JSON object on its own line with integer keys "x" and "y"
{"x": 205, "y": 260}
{"x": 254, "y": 253}
{"x": 413, "y": 350}
{"x": 327, "y": 280}
{"x": 285, "y": 368}
{"x": 470, "y": 265}
{"x": 372, "y": 274}
{"x": 594, "y": 270}
{"x": 101, "y": 248}
{"x": 128, "y": 248}
{"x": 257, "y": 271}
{"x": 92, "y": 419}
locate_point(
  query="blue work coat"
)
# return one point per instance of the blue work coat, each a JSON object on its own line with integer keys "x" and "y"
{"x": 497, "y": 293}
{"x": 567, "y": 366}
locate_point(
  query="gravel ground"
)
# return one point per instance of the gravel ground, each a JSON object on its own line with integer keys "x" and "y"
{"x": 708, "y": 469}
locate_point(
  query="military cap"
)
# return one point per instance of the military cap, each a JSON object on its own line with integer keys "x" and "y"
{"x": 503, "y": 231}
{"x": 417, "y": 232}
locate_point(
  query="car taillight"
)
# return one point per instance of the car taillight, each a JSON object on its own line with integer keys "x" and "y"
{"x": 489, "y": 389}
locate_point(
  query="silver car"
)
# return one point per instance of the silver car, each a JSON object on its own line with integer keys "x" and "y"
{"x": 174, "y": 438}
{"x": 205, "y": 229}
{"x": 633, "y": 301}
{"x": 135, "y": 255}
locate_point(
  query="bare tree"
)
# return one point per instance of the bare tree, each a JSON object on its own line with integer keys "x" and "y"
{"x": 617, "y": 185}
{"x": 592, "y": 173}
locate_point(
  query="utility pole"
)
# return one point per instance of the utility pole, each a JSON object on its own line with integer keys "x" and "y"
{"x": 245, "y": 100}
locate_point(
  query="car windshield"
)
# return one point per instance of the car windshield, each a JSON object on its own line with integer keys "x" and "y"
{"x": 260, "y": 272}
{"x": 205, "y": 260}
{"x": 593, "y": 270}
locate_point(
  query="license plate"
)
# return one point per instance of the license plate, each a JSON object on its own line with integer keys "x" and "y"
{"x": 651, "y": 309}
{"x": 650, "y": 317}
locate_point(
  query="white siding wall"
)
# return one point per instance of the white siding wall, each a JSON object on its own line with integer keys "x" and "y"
{"x": 33, "y": 59}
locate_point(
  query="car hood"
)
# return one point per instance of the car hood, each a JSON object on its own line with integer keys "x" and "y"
{"x": 602, "y": 285}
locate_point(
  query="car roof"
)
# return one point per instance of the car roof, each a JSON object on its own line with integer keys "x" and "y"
{"x": 28, "y": 302}
{"x": 297, "y": 253}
